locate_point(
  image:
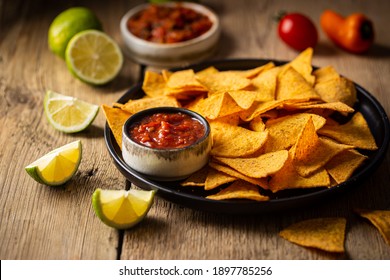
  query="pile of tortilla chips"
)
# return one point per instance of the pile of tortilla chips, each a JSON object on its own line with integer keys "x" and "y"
{"x": 273, "y": 127}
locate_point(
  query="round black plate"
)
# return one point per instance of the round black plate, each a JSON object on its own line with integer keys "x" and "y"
{"x": 194, "y": 197}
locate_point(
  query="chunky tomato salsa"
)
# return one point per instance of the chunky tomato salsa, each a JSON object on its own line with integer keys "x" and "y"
{"x": 167, "y": 130}
{"x": 162, "y": 24}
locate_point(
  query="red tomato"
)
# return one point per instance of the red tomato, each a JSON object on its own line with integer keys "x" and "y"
{"x": 298, "y": 31}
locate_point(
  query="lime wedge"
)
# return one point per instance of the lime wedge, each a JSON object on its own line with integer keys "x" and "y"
{"x": 68, "y": 114}
{"x": 58, "y": 166}
{"x": 93, "y": 57}
{"x": 122, "y": 209}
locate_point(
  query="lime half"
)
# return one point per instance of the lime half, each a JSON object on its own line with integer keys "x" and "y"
{"x": 67, "y": 24}
{"x": 58, "y": 166}
{"x": 93, "y": 57}
{"x": 122, "y": 209}
{"x": 68, "y": 114}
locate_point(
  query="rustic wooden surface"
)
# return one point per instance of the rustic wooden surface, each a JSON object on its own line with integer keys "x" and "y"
{"x": 38, "y": 222}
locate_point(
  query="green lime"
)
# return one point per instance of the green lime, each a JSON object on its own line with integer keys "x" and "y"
{"x": 58, "y": 166}
{"x": 69, "y": 23}
{"x": 122, "y": 209}
{"x": 68, "y": 114}
{"x": 93, "y": 57}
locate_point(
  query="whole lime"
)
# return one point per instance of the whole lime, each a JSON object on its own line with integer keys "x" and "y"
{"x": 67, "y": 24}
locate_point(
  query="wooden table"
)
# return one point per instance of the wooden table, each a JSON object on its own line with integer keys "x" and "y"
{"x": 39, "y": 222}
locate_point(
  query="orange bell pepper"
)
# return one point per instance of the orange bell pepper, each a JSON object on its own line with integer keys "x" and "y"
{"x": 354, "y": 33}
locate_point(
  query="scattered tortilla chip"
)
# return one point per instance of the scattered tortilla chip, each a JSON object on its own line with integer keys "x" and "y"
{"x": 326, "y": 234}
{"x": 259, "y": 167}
{"x": 380, "y": 219}
{"x": 243, "y": 98}
{"x": 239, "y": 190}
{"x": 311, "y": 153}
{"x": 343, "y": 165}
{"x": 355, "y": 132}
{"x": 337, "y": 90}
{"x": 265, "y": 85}
{"x": 235, "y": 141}
{"x": 116, "y": 118}
{"x": 153, "y": 84}
{"x": 134, "y": 106}
{"x": 216, "y": 178}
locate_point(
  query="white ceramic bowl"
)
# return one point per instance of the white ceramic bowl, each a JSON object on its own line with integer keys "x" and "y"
{"x": 173, "y": 54}
{"x": 166, "y": 164}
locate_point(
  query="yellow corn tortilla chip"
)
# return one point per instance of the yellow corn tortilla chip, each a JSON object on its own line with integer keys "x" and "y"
{"x": 207, "y": 71}
{"x": 116, "y": 118}
{"x": 153, "y": 84}
{"x": 254, "y": 72}
{"x": 235, "y": 141}
{"x": 239, "y": 190}
{"x": 259, "y": 108}
{"x": 288, "y": 178}
{"x": 292, "y": 86}
{"x": 325, "y": 74}
{"x": 343, "y": 165}
{"x": 183, "y": 79}
{"x": 326, "y": 234}
{"x": 311, "y": 153}
{"x": 261, "y": 182}
{"x": 355, "y": 132}
{"x": 380, "y": 219}
{"x": 333, "y": 106}
{"x": 284, "y": 131}
{"x": 134, "y": 106}
{"x": 217, "y": 178}
{"x": 265, "y": 84}
{"x": 197, "y": 179}
{"x": 337, "y": 90}
{"x": 223, "y": 81}
{"x": 258, "y": 167}
{"x": 243, "y": 98}
{"x": 303, "y": 65}
{"x": 257, "y": 124}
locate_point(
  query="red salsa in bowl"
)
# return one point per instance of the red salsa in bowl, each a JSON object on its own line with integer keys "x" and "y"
{"x": 165, "y": 130}
{"x": 168, "y": 24}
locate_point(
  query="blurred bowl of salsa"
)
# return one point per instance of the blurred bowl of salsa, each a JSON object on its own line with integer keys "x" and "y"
{"x": 170, "y": 34}
{"x": 166, "y": 143}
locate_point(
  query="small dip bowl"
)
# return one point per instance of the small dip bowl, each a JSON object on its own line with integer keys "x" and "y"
{"x": 166, "y": 143}
{"x": 171, "y": 54}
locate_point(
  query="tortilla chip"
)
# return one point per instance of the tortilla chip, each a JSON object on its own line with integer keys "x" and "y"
{"x": 243, "y": 98}
{"x": 134, "y": 106}
{"x": 153, "y": 84}
{"x": 265, "y": 84}
{"x": 303, "y": 65}
{"x": 257, "y": 124}
{"x": 184, "y": 79}
{"x": 116, "y": 118}
{"x": 258, "y": 167}
{"x": 292, "y": 85}
{"x": 197, "y": 179}
{"x": 355, "y": 132}
{"x": 288, "y": 178}
{"x": 259, "y": 108}
{"x": 333, "y": 106}
{"x": 343, "y": 165}
{"x": 223, "y": 81}
{"x": 239, "y": 190}
{"x": 284, "y": 131}
{"x": 207, "y": 71}
{"x": 261, "y": 182}
{"x": 380, "y": 219}
{"x": 311, "y": 153}
{"x": 325, "y": 74}
{"x": 337, "y": 90}
{"x": 235, "y": 141}
{"x": 216, "y": 178}
{"x": 326, "y": 234}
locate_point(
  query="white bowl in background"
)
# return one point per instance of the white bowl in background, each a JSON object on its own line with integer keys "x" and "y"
{"x": 171, "y": 54}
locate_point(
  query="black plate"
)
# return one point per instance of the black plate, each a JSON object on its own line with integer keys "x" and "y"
{"x": 192, "y": 197}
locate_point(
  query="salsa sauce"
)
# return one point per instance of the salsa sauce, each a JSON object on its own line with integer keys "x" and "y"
{"x": 162, "y": 24}
{"x": 167, "y": 130}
